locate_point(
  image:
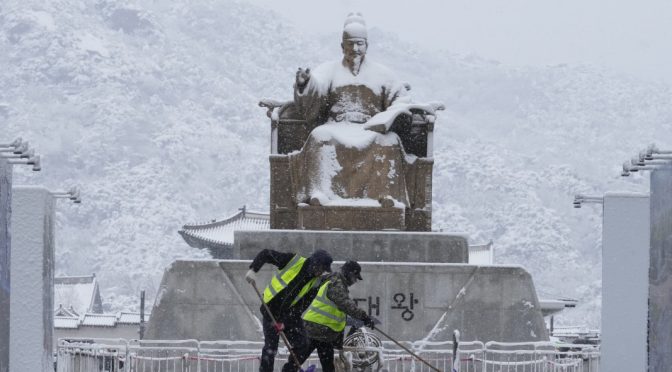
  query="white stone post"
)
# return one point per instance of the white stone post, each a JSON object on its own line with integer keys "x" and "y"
{"x": 32, "y": 280}
{"x": 5, "y": 251}
{"x": 17, "y": 152}
{"x": 625, "y": 282}
{"x": 660, "y": 274}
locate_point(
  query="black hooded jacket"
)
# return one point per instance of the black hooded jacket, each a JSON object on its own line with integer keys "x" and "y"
{"x": 281, "y": 304}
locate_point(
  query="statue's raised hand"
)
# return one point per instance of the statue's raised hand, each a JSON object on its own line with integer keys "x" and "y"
{"x": 302, "y": 77}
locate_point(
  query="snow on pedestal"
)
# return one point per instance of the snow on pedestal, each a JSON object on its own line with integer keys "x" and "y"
{"x": 625, "y": 281}
{"x": 5, "y": 219}
{"x": 32, "y": 281}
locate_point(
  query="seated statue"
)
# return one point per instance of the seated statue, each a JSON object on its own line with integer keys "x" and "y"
{"x": 355, "y": 113}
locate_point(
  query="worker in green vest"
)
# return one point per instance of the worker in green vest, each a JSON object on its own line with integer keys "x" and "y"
{"x": 325, "y": 317}
{"x": 290, "y": 291}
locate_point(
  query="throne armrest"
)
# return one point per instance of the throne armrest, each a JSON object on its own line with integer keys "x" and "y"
{"x": 425, "y": 114}
{"x": 281, "y": 111}
{"x": 289, "y": 130}
{"x": 416, "y": 130}
{"x": 271, "y": 105}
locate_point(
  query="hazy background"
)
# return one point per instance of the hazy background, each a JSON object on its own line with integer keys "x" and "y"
{"x": 623, "y": 35}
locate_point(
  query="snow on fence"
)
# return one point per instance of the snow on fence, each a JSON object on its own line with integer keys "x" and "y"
{"x": 119, "y": 355}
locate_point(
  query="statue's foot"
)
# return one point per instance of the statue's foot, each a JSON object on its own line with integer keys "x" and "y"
{"x": 386, "y": 202}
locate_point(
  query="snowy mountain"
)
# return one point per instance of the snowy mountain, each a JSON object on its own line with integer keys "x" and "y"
{"x": 152, "y": 108}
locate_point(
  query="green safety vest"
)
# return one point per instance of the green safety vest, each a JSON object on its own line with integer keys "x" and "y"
{"x": 281, "y": 279}
{"x": 323, "y": 311}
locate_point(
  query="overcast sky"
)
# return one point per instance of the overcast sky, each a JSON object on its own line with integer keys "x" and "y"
{"x": 632, "y": 36}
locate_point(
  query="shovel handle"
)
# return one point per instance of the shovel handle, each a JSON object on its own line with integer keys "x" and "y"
{"x": 282, "y": 333}
{"x": 407, "y": 350}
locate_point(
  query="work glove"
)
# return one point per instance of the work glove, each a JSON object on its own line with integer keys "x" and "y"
{"x": 370, "y": 322}
{"x": 251, "y": 276}
{"x": 279, "y": 327}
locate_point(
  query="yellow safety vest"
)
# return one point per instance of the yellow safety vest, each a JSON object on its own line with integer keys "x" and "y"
{"x": 323, "y": 311}
{"x": 281, "y": 279}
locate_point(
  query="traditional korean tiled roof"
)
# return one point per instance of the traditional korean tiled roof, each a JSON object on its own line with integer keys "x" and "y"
{"x": 77, "y": 293}
{"x": 131, "y": 318}
{"x": 581, "y": 330}
{"x": 219, "y": 234}
{"x": 554, "y": 306}
{"x": 572, "y": 334}
{"x": 62, "y": 311}
{"x": 98, "y": 320}
{"x": 66, "y": 322}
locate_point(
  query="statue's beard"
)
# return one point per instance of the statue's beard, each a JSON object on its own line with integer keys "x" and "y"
{"x": 356, "y": 63}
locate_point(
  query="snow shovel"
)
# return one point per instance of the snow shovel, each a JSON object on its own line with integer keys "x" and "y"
{"x": 281, "y": 332}
{"x": 407, "y": 350}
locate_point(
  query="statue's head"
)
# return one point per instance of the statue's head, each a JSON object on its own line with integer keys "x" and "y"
{"x": 354, "y": 42}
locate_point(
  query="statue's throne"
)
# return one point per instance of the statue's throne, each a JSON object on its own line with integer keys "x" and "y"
{"x": 289, "y": 132}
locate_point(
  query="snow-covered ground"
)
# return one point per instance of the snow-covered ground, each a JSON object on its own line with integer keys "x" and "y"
{"x": 152, "y": 108}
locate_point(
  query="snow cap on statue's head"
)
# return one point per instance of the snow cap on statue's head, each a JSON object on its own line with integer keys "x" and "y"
{"x": 354, "y": 27}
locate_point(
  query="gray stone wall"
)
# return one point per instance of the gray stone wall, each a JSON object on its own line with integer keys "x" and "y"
{"x": 197, "y": 300}
{"x": 660, "y": 273}
{"x": 5, "y": 249}
{"x": 414, "y": 301}
{"x": 373, "y": 246}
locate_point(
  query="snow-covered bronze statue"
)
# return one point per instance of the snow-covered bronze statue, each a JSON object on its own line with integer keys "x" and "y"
{"x": 351, "y": 90}
{"x": 351, "y": 151}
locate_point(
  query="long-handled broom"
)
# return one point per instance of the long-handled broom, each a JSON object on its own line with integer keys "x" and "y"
{"x": 281, "y": 332}
{"x": 407, "y": 350}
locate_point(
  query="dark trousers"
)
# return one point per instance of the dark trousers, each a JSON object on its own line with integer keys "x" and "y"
{"x": 295, "y": 335}
{"x": 325, "y": 351}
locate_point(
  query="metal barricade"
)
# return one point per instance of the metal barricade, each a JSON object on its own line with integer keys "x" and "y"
{"x": 540, "y": 357}
{"x": 238, "y": 356}
{"x": 163, "y": 356}
{"x": 91, "y": 355}
{"x": 470, "y": 355}
{"x": 589, "y": 355}
{"x": 438, "y": 354}
{"x": 118, "y": 355}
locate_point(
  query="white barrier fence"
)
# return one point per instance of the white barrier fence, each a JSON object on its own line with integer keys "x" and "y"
{"x": 119, "y": 355}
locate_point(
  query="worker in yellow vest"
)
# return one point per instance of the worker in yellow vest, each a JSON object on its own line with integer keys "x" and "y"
{"x": 325, "y": 317}
{"x": 290, "y": 291}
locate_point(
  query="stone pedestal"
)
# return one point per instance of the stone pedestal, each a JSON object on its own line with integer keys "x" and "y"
{"x": 5, "y": 250}
{"x": 32, "y": 282}
{"x": 373, "y": 246}
{"x": 417, "y": 283}
{"x": 414, "y": 301}
{"x": 197, "y": 300}
{"x": 660, "y": 273}
{"x": 625, "y": 282}
{"x": 350, "y": 218}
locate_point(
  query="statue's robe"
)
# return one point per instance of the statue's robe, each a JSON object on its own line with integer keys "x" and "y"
{"x": 341, "y": 163}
